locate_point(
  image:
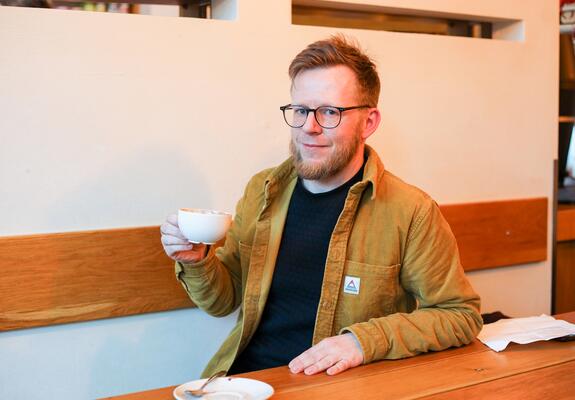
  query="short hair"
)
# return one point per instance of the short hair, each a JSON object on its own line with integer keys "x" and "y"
{"x": 338, "y": 50}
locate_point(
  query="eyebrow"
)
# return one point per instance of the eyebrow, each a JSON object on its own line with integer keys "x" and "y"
{"x": 304, "y": 106}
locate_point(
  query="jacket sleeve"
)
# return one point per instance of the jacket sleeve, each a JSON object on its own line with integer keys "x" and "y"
{"x": 447, "y": 311}
{"x": 214, "y": 284}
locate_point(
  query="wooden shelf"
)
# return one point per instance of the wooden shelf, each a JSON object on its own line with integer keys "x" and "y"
{"x": 181, "y": 3}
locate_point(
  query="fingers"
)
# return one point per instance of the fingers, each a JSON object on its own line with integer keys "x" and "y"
{"x": 172, "y": 250}
{"x": 335, "y": 354}
{"x": 320, "y": 365}
{"x": 170, "y": 227}
{"x": 167, "y": 229}
{"x": 169, "y": 240}
{"x": 172, "y": 219}
{"x": 315, "y": 359}
{"x": 175, "y": 244}
{"x": 340, "y": 366}
{"x": 329, "y": 363}
{"x": 303, "y": 361}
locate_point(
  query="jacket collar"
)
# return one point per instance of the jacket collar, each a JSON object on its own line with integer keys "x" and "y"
{"x": 373, "y": 171}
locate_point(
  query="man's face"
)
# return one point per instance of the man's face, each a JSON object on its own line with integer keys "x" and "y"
{"x": 321, "y": 153}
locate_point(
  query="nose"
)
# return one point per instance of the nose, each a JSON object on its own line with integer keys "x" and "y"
{"x": 311, "y": 126}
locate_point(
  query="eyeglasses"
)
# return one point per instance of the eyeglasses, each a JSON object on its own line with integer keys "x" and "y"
{"x": 327, "y": 117}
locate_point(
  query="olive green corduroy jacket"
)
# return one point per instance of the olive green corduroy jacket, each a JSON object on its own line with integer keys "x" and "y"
{"x": 413, "y": 295}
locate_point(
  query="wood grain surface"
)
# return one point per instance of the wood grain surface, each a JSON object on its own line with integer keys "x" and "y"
{"x": 474, "y": 369}
{"x": 565, "y": 223}
{"x": 56, "y": 278}
{"x": 440, "y": 376}
{"x": 67, "y": 277}
{"x": 565, "y": 277}
{"x": 499, "y": 233}
{"x": 543, "y": 383}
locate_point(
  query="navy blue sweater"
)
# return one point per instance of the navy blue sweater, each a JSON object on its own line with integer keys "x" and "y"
{"x": 286, "y": 327}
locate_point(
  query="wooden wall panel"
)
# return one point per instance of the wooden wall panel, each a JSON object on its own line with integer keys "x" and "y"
{"x": 500, "y": 233}
{"x": 565, "y": 223}
{"x": 565, "y": 277}
{"x": 67, "y": 277}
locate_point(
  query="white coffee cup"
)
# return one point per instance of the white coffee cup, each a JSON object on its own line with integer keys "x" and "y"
{"x": 203, "y": 226}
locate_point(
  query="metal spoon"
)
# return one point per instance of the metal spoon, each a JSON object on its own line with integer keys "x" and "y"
{"x": 200, "y": 391}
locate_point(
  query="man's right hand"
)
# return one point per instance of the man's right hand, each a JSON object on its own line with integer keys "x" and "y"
{"x": 176, "y": 246}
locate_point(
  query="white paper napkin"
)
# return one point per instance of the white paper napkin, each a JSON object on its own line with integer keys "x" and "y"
{"x": 523, "y": 330}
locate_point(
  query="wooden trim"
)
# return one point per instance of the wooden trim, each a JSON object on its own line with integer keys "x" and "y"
{"x": 66, "y": 3}
{"x": 68, "y": 277}
{"x": 499, "y": 233}
{"x": 564, "y": 300}
{"x": 565, "y": 223}
{"x": 367, "y": 19}
{"x": 79, "y": 276}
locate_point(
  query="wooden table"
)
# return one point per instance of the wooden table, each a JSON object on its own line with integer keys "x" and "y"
{"x": 534, "y": 371}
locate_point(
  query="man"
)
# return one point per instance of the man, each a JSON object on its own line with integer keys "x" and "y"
{"x": 334, "y": 261}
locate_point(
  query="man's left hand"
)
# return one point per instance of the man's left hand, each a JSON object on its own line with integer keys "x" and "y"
{"x": 334, "y": 354}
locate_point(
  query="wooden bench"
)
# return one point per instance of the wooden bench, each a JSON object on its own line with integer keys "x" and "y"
{"x": 68, "y": 277}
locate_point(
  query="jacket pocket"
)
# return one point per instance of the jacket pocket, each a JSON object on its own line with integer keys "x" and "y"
{"x": 373, "y": 293}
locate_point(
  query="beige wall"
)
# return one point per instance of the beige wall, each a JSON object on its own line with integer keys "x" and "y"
{"x": 116, "y": 120}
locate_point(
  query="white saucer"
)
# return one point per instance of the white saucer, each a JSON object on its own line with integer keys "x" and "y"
{"x": 227, "y": 388}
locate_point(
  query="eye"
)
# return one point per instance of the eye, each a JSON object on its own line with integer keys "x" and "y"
{"x": 299, "y": 111}
{"x": 328, "y": 111}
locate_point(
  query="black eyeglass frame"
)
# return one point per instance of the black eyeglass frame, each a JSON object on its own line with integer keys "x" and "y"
{"x": 308, "y": 110}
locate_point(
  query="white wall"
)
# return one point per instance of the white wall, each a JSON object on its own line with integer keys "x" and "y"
{"x": 121, "y": 355}
{"x": 115, "y": 120}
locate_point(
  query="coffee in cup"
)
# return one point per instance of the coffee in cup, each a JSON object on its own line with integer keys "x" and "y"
{"x": 203, "y": 226}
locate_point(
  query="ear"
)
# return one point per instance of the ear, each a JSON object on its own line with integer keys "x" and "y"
{"x": 371, "y": 123}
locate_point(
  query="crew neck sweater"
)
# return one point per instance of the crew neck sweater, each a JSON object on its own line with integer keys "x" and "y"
{"x": 287, "y": 323}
